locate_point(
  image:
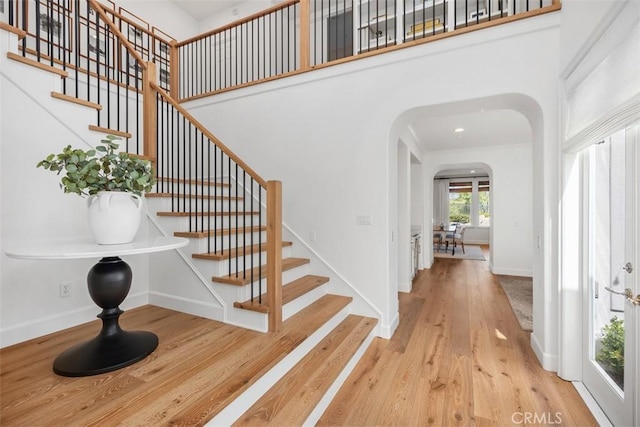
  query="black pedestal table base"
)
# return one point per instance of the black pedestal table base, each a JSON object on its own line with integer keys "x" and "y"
{"x": 109, "y": 282}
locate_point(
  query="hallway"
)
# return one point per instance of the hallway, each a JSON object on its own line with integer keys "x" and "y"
{"x": 458, "y": 357}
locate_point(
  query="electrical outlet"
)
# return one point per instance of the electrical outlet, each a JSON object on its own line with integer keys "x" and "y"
{"x": 65, "y": 289}
{"x": 364, "y": 219}
{"x": 312, "y": 236}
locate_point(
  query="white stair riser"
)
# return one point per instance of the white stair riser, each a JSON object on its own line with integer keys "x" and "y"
{"x": 217, "y": 223}
{"x": 166, "y": 204}
{"x": 211, "y": 268}
{"x": 287, "y": 276}
{"x": 200, "y": 246}
{"x": 180, "y": 188}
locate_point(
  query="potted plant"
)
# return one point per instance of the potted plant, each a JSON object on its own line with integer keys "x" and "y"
{"x": 114, "y": 183}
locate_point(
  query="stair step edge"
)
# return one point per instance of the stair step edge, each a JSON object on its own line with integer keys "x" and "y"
{"x": 290, "y": 292}
{"x": 233, "y": 253}
{"x": 326, "y": 361}
{"x": 222, "y": 213}
{"x": 244, "y": 277}
{"x": 334, "y": 308}
{"x": 220, "y": 232}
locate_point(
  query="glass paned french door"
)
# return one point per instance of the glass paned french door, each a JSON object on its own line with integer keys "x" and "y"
{"x": 611, "y": 241}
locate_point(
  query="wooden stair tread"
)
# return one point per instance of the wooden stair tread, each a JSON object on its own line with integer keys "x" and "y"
{"x": 290, "y": 291}
{"x": 75, "y": 100}
{"x": 233, "y": 253}
{"x": 110, "y": 131}
{"x": 244, "y": 277}
{"x": 220, "y": 232}
{"x": 293, "y": 398}
{"x": 221, "y": 213}
{"x": 193, "y": 196}
{"x": 193, "y": 181}
{"x": 36, "y": 64}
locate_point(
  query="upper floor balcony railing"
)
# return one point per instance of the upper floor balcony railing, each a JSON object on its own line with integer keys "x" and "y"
{"x": 292, "y": 37}
{"x": 300, "y": 35}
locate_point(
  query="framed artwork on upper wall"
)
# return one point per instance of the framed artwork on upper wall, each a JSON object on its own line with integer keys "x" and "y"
{"x": 86, "y": 12}
{"x": 51, "y": 25}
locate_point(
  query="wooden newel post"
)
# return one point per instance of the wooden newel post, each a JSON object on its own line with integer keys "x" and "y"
{"x": 149, "y": 112}
{"x": 305, "y": 34}
{"x": 174, "y": 69}
{"x": 274, "y": 254}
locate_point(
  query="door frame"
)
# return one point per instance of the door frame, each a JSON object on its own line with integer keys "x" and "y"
{"x": 602, "y": 386}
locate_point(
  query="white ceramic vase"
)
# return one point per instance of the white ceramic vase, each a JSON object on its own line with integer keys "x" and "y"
{"x": 114, "y": 217}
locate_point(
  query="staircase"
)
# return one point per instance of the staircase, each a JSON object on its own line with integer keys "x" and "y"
{"x": 321, "y": 340}
{"x": 233, "y": 256}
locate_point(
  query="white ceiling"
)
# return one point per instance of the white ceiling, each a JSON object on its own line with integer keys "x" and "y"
{"x": 200, "y": 9}
{"x": 481, "y": 129}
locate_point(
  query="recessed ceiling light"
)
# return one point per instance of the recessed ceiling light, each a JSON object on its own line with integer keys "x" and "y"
{"x": 458, "y": 130}
{"x": 472, "y": 171}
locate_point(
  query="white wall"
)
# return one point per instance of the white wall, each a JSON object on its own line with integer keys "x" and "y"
{"x": 511, "y": 197}
{"x": 164, "y": 15}
{"x": 328, "y": 136}
{"x": 235, "y": 13}
{"x": 582, "y": 22}
{"x": 33, "y": 207}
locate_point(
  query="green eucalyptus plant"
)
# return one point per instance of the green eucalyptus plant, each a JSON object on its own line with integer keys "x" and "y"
{"x": 88, "y": 172}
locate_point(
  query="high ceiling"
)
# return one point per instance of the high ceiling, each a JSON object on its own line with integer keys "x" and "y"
{"x": 200, "y": 9}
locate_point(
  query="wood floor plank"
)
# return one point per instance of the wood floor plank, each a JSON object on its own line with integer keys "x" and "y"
{"x": 472, "y": 363}
{"x": 424, "y": 375}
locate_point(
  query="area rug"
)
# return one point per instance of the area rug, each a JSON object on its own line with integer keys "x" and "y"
{"x": 519, "y": 292}
{"x": 471, "y": 252}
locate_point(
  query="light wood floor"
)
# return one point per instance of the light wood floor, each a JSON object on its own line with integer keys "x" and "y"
{"x": 458, "y": 357}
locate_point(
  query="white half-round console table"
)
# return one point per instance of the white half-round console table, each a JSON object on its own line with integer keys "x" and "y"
{"x": 109, "y": 282}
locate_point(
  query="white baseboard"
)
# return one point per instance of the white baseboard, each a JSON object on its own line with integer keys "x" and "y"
{"x": 511, "y": 271}
{"x": 50, "y": 324}
{"x": 548, "y": 361}
{"x": 592, "y": 405}
{"x": 185, "y": 305}
{"x": 475, "y": 242}
{"x": 386, "y": 331}
{"x": 405, "y": 287}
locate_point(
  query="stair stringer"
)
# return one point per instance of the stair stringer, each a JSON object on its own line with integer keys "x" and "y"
{"x": 214, "y": 308}
{"x": 337, "y": 285}
{"x": 37, "y": 84}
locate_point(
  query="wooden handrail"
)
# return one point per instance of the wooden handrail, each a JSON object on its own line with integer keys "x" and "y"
{"x": 17, "y": 31}
{"x": 238, "y": 22}
{"x": 127, "y": 44}
{"x": 209, "y": 135}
